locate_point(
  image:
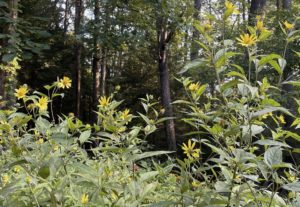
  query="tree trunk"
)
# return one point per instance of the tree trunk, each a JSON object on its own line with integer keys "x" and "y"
{"x": 244, "y": 10}
{"x": 103, "y": 73}
{"x": 163, "y": 37}
{"x": 78, "y": 51}
{"x": 66, "y": 16}
{"x": 195, "y": 47}
{"x": 278, "y": 5}
{"x": 9, "y": 29}
{"x": 96, "y": 60}
{"x": 256, "y": 8}
{"x": 287, "y": 4}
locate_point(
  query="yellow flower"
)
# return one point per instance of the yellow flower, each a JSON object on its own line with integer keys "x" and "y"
{"x": 260, "y": 25}
{"x": 114, "y": 196}
{"x": 230, "y": 7}
{"x": 28, "y": 179}
{"x": 56, "y": 147}
{"x": 290, "y": 176}
{"x": 194, "y": 86}
{"x": 247, "y": 40}
{"x": 267, "y": 115}
{"x": 288, "y": 25}
{"x": 281, "y": 119}
{"x": 40, "y": 141}
{"x": 64, "y": 83}
{"x": 125, "y": 114}
{"x": 21, "y": 92}
{"x": 42, "y": 103}
{"x": 17, "y": 169}
{"x": 196, "y": 184}
{"x": 104, "y": 101}
{"x": 189, "y": 150}
{"x": 5, "y": 179}
{"x": 84, "y": 199}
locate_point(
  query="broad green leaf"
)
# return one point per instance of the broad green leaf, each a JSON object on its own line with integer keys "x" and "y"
{"x": 273, "y": 156}
{"x": 264, "y": 60}
{"x": 194, "y": 64}
{"x": 276, "y": 66}
{"x": 269, "y": 142}
{"x": 148, "y": 154}
{"x": 292, "y": 186}
{"x": 84, "y": 136}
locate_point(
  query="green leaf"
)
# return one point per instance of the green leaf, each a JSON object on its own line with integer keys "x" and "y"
{"x": 194, "y": 64}
{"x": 202, "y": 45}
{"x": 269, "y": 142}
{"x": 273, "y": 156}
{"x": 293, "y": 135}
{"x": 222, "y": 60}
{"x": 84, "y": 136}
{"x": 164, "y": 204}
{"x": 237, "y": 74}
{"x": 292, "y": 186}
{"x": 44, "y": 172}
{"x": 276, "y": 66}
{"x": 264, "y": 60}
{"x": 148, "y": 154}
{"x": 8, "y": 57}
{"x": 297, "y": 150}
{"x": 270, "y": 109}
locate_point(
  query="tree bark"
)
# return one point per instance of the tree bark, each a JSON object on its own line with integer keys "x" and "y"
{"x": 195, "y": 47}
{"x": 66, "y": 16}
{"x": 163, "y": 38}
{"x": 287, "y": 4}
{"x": 103, "y": 73}
{"x": 78, "y": 52}
{"x": 96, "y": 60}
{"x": 244, "y": 10}
{"x": 9, "y": 29}
{"x": 278, "y": 5}
{"x": 256, "y": 8}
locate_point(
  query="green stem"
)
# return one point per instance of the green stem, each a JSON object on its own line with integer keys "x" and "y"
{"x": 273, "y": 194}
{"x": 249, "y": 66}
{"x": 283, "y": 55}
{"x": 232, "y": 183}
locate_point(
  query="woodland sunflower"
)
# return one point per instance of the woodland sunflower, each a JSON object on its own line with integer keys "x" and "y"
{"x": 65, "y": 82}
{"x": 190, "y": 150}
{"x": 84, "y": 199}
{"x": 21, "y": 92}
{"x": 247, "y": 40}
{"x": 288, "y": 25}
{"x": 104, "y": 101}
{"x": 42, "y": 103}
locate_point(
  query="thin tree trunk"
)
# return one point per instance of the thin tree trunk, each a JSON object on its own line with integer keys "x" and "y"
{"x": 9, "y": 29}
{"x": 96, "y": 60}
{"x": 103, "y": 73}
{"x": 256, "y": 8}
{"x": 78, "y": 52}
{"x": 66, "y": 16}
{"x": 244, "y": 10}
{"x": 195, "y": 47}
{"x": 163, "y": 38}
{"x": 278, "y": 5}
{"x": 287, "y": 4}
